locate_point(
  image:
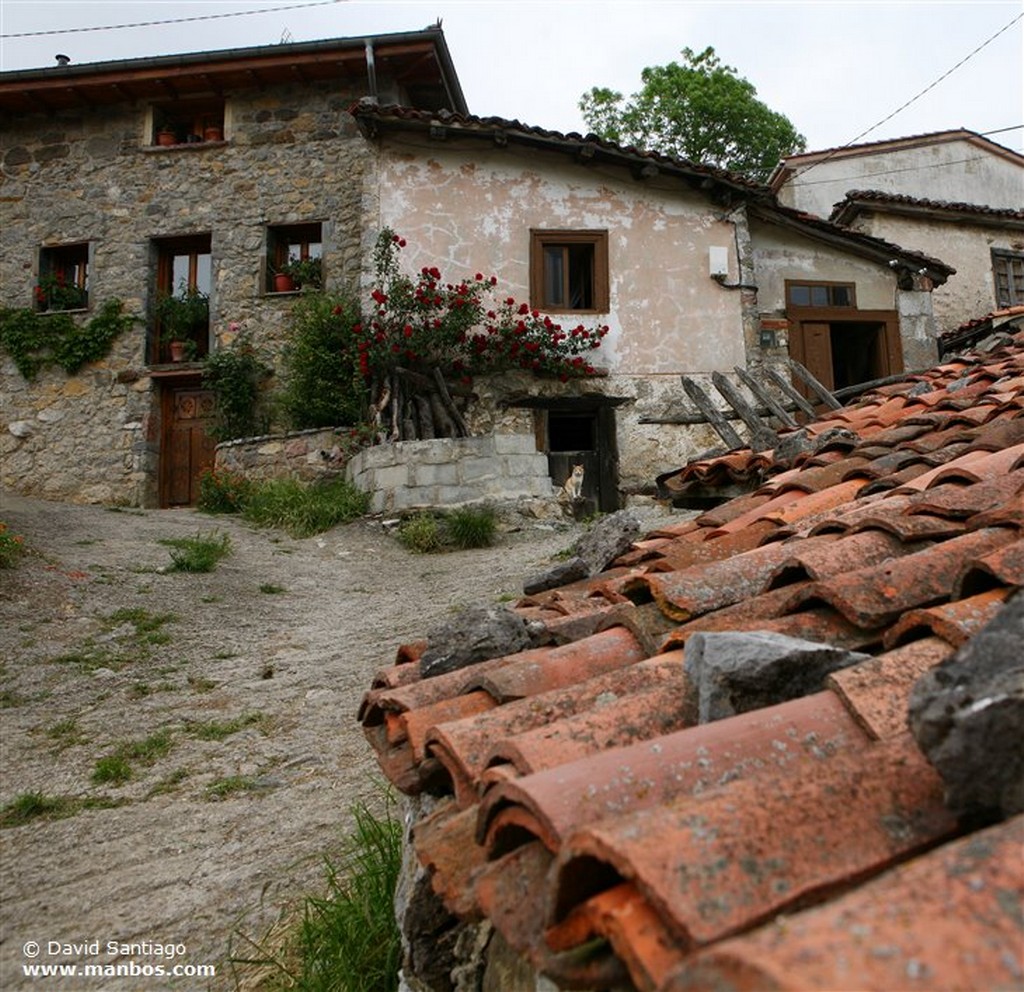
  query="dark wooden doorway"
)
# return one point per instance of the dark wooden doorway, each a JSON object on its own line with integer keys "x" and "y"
{"x": 863, "y": 345}
{"x": 186, "y": 449}
{"x": 584, "y": 437}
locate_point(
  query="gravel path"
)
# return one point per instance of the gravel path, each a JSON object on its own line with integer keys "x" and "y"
{"x": 235, "y": 716}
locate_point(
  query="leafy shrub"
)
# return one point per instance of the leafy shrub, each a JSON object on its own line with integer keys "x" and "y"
{"x": 421, "y": 533}
{"x": 303, "y": 510}
{"x": 322, "y": 387}
{"x": 236, "y": 374}
{"x": 471, "y": 527}
{"x": 221, "y": 491}
{"x": 197, "y": 554}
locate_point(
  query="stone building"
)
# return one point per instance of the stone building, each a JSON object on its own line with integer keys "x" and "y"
{"x": 694, "y": 270}
{"x": 200, "y": 176}
{"x": 142, "y": 178}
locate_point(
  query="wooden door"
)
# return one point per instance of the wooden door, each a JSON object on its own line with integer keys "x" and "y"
{"x": 187, "y": 449}
{"x": 810, "y": 344}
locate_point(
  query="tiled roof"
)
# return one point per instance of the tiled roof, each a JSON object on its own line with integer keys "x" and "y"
{"x": 857, "y": 199}
{"x": 629, "y": 808}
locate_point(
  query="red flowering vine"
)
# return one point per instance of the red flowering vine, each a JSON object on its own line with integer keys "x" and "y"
{"x": 423, "y": 322}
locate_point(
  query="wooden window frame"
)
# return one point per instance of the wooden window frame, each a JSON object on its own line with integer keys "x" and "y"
{"x": 70, "y": 265}
{"x": 282, "y": 237}
{"x": 541, "y": 239}
{"x": 829, "y": 285}
{"x": 166, "y": 251}
{"x": 191, "y": 121}
{"x": 1010, "y": 266}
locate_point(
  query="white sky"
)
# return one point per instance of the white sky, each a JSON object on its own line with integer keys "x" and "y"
{"x": 835, "y": 68}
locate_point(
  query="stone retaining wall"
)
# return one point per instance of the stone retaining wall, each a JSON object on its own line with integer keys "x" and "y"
{"x": 450, "y": 471}
{"x": 275, "y": 456}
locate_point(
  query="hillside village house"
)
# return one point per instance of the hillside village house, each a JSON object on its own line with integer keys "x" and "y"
{"x": 957, "y": 192}
{"x": 274, "y": 154}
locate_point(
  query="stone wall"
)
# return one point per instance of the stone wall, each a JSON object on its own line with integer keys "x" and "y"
{"x": 298, "y": 455}
{"x": 291, "y": 155}
{"x": 450, "y": 471}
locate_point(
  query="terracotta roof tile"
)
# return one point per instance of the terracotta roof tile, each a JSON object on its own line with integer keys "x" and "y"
{"x": 609, "y": 842}
{"x": 948, "y": 920}
{"x": 873, "y": 596}
{"x": 738, "y": 855}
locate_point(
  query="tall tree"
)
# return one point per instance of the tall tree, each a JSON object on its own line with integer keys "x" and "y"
{"x": 700, "y": 110}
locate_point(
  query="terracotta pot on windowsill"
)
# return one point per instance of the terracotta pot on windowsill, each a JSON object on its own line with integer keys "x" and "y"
{"x": 213, "y": 134}
{"x": 166, "y": 138}
{"x": 177, "y": 349}
{"x": 283, "y": 283}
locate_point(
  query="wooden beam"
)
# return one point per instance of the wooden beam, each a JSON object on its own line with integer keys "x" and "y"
{"x": 712, "y": 415}
{"x": 763, "y": 396}
{"x": 761, "y": 436}
{"x": 814, "y": 385}
{"x": 789, "y": 392}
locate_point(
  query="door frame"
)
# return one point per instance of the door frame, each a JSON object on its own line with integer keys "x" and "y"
{"x": 803, "y": 319}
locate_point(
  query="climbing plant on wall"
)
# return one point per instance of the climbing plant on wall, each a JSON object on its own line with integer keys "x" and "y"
{"x": 36, "y": 340}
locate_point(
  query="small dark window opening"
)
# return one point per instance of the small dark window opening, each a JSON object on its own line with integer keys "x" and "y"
{"x": 63, "y": 278}
{"x": 857, "y": 353}
{"x": 188, "y": 122}
{"x": 571, "y": 432}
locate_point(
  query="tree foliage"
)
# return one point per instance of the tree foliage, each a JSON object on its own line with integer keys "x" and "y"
{"x": 699, "y": 110}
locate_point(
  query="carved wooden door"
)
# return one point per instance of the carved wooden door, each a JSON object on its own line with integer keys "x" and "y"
{"x": 187, "y": 448}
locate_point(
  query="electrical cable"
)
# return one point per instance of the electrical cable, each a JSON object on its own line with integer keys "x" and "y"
{"x": 176, "y": 20}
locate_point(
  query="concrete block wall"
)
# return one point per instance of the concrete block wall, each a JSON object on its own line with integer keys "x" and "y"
{"x": 408, "y": 475}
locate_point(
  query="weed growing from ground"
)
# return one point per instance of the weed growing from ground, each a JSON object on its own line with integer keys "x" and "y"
{"x": 218, "y": 730}
{"x": 65, "y": 734}
{"x": 12, "y": 546}
{"x": 420, "y": 533}
{"x": 31, "y": 806}
{"x": 347, "y": 939}
{"x": 228, "y": 786}
{"x": 271, "y": 590}
{"x": 301, "y": 510}
{"x": 197, "y": 554}
{"x": 116, "y": 767}
{"x": 461, "y": 529}
{"x": 471, "y": 527}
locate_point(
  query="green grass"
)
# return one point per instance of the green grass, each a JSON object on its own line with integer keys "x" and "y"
{"x": 65, "y": 733}
{"x": 471, "y": 527}
{"x": 116, "y": 767}
{"x": 229, "y": 786}
{"x": 461, "y": 529}
{"x": 219, "y": 730}
{"x": 271, "y": 590}
{"x": 347, "y": 939}
{"x": 197, "y": 554}
{"x": 31, "y": 806}
{"x": 302, "y": 510}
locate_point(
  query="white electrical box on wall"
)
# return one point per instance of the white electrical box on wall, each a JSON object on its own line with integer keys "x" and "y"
{"x": 718, "y": 261}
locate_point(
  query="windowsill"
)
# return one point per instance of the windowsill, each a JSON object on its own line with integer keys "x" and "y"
{"x": 189, "y": 146}
{"x": 282, "y": 292}
{"x": 50, "y": 313}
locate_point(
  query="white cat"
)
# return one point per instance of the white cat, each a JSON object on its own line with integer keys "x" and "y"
{"x": 572, "y": 490}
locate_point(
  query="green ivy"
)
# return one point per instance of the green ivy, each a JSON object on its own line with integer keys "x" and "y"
{"x": 35, "y": 340}
{"x": 235, "y": 374}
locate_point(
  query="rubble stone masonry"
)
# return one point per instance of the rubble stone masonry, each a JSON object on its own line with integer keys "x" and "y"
{"x": 290, "y": 155}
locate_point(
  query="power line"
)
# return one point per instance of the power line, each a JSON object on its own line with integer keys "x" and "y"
{"x": 913, "y": 99}
{"x": 176, "y": 20}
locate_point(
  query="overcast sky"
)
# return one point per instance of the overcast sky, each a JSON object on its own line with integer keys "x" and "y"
{"x": 834, "y": 68}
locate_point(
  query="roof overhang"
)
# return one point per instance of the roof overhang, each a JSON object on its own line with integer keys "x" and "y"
{"x": 418, "y": 60}
{"x": 904, "y": 262}
{"x": 724, "y": 189}
{"x": 857, "y": 203}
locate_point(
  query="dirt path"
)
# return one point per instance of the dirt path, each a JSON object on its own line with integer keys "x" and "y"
{"x": 235, "y": 717}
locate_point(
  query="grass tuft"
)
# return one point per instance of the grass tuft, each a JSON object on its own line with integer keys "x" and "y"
{"x": 31, "y": 806}
{"x": 302, "y": 510}
{"x": 420, "y": 533}
{"x": 197, "y": 554}
{"x": 471, "y": 527}
{"x": 461, "y": 529}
